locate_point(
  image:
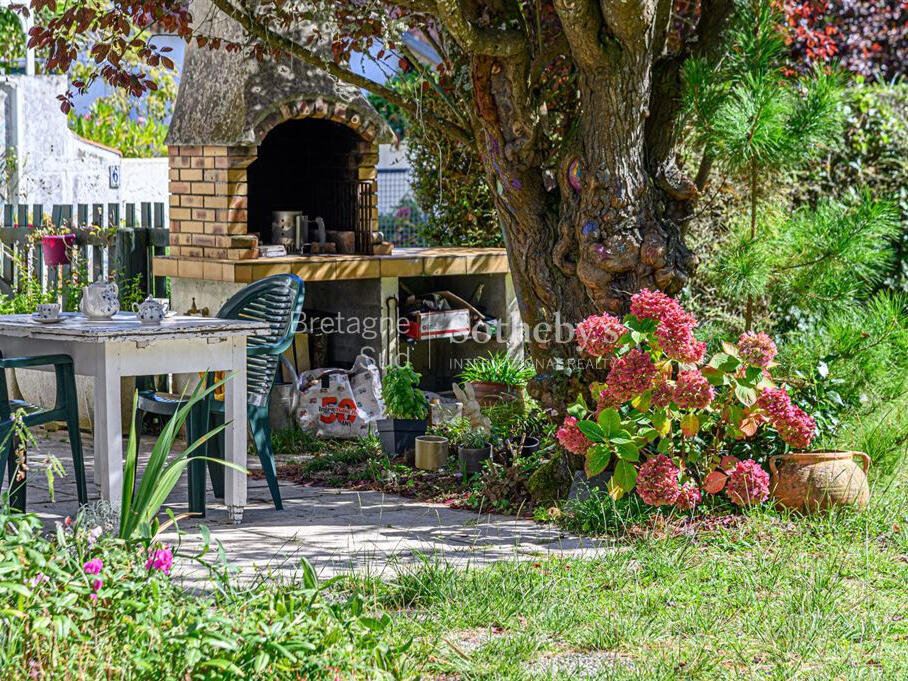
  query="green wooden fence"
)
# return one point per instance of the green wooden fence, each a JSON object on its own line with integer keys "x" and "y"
{"x": 142, "y": 234}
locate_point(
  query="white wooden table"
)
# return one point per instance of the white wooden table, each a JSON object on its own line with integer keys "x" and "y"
{"x": 122, "y": 346}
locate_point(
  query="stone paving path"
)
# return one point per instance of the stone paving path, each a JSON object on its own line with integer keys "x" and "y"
{"x": 336, "y": 530}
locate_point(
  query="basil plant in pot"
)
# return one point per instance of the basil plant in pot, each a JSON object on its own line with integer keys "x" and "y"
{"x": 406, "y": 410}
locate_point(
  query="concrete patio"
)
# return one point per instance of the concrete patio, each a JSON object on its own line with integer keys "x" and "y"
{"x": 336, "y": 530}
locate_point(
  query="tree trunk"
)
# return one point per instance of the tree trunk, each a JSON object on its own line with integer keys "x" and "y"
{"x": 575, "y": 253}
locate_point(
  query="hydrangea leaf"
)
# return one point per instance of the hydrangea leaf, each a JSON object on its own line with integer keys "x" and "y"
{"x": 592, "y": 431}
{"x": 597, "y": 458}
{"x": 625, "y": 475}
{"x": 609, "y": 421}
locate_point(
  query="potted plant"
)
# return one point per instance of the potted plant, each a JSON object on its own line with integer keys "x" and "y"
{"x": 473, "y": 449}
{"x": 406, "y": 410}
{"x": 55, "y": 243}
{"x": 497, "y": 377}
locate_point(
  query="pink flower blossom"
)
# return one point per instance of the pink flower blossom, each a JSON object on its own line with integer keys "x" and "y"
{"x": 757, "y": 349}
{"x": 571, "y": 438}
{"x": 93, "y": 567}
{"x": 693, "y": 391}
{"x": 95, "y": 588}
{"x": 663, "y": 394}
{"x": 646, "y": 304}
{"x": 160, "y": 559}
{"x": 657, "y": 481}
{"x": 598, "y": 335}
{"x": 629, "y": 376}
{"x": 678, "y": 343}
{"x": 795, "y": 426}
{"x": 688, "y": 496}
{"x": 37, "y": 579}
{"x": 747, "y": 484}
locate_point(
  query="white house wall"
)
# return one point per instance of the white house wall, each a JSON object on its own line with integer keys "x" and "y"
{"x": 56, "y": 166}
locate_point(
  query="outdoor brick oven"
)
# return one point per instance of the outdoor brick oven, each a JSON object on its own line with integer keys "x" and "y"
{"x": 249, "y": 138}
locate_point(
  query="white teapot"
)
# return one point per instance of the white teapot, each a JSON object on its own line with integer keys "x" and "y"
{"x": 100, "y": 300}
{"x": 150, "y": 311}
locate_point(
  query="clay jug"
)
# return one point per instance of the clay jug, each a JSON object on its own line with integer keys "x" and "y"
{"x": 810, "y": 481}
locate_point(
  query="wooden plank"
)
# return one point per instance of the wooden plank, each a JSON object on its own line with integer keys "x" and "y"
{"x": 82, "y": 214}
{"x": 7, "y": 215}
{"x": 146, "y": 214}
{"x": 97, "y": 214}
{"x": 130, "y": 215}
{"x": 23, "y": 216}
{"x": 113, "y": 214}
{"x": 37, "y": 215}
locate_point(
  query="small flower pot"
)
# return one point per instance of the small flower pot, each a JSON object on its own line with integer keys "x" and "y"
{"x": 471, "y": 459}
{"x": 814, "y": 481}
{"x": 529, "y": 447}
{"x": 399, "y": 435}
{"x": 431, "y": 452}
{"x": 55, "y": 248}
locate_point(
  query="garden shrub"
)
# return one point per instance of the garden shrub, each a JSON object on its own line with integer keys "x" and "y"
{"x": 84, "y": 605}
{"x": 669, "y": 427}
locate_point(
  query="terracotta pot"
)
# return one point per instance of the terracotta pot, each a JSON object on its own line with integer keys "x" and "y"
{"x": 489, "y": 393}
{"x": 810, "y": 481}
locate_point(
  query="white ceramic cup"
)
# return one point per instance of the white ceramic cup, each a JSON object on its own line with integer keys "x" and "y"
{"x": 48, "y": 310}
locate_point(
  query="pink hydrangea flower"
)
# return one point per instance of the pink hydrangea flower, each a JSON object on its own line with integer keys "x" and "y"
{"x": 160, "y": 559}
{"x": 657, "y": 481}
{"x": 598, "y": 335}
{"x": 795, "y": 426}
{"x": 747, "y": 484}
{"x": 688, "y": 496}
{"x": 93, "y": 567}
{"x": 798, "y": 428}
{"x": 571, "y": 438}
{"x": 646, "y": 304}
{"x": 663, "y": 394}
{"x": 678, "y": 343}
{"x": 693, "y": 391}
{"x": 629, "y": 376}
{"x": 757, "y": 349}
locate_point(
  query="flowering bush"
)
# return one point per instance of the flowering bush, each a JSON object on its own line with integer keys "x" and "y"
{"x": 663, "y": 421}
{"x": 85, "y": 605}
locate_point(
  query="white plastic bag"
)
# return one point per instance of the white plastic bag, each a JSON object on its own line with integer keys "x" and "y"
{"x": 327, "y": 407}
{"x": 365, "y": 379}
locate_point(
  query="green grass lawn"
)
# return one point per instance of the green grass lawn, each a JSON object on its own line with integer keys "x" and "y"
{"x": 774, "y": 598}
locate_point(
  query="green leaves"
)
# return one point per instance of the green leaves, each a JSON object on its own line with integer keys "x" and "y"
{"x": 597, "y": 459}
{"x": 609, "y": 421}
{"x": 141, "y": 505}
{"x": 625, "y": 476}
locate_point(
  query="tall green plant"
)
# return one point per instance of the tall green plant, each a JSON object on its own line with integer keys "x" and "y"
{"x": 754, "y": 121}
{"x": 141, "y": 505}
{"x": 401, "y": 393}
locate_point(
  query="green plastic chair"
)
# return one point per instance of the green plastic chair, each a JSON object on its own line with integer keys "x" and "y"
{"x": 66, "y": 408}
{"x": 278, "y": 301}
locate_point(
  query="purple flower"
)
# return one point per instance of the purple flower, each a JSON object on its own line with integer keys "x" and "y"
{"x": 160, "y": 559}
{"x": 37, "y": 579}
{"x": 93, "y": 567}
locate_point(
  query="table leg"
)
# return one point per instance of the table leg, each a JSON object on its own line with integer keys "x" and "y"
{"x": 235, "y": 433}
{"x": 108, "y": 431}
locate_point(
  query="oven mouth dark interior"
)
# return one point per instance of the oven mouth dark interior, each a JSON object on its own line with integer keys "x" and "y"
{"x": 308, "y": 166}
